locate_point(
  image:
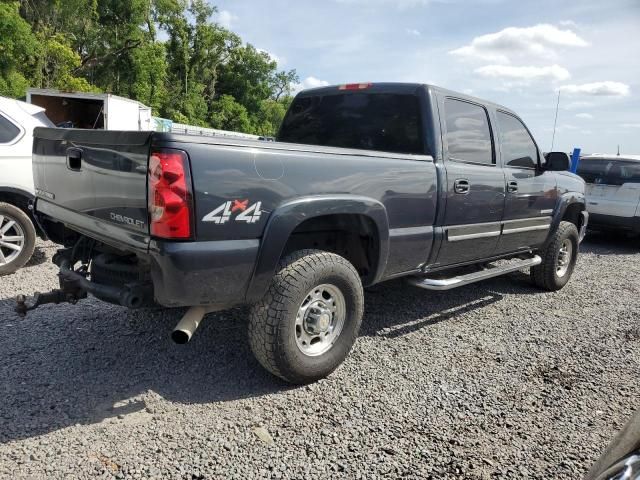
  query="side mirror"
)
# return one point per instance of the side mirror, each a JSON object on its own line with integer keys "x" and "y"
{"x": 557, "y": 162}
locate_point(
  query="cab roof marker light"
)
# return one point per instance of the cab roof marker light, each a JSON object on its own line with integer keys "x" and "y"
{"x": 355, "y": 86}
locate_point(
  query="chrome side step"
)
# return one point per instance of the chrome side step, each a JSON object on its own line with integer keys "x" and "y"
{"x": 484, "y": 274}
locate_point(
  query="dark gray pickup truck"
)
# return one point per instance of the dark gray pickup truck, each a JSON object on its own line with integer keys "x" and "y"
{"x": 365, "y": 183}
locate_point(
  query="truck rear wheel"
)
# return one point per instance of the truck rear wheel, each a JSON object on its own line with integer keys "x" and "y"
{"x": 558, "y": 259}
{"x": 17, "y": 238}
{"x": 308, "y": 320}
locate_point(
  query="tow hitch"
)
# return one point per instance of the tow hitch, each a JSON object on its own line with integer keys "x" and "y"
{"x": 74, "y": 286}
{"x": 69, "y": 292}
{"x": 54, "y": 296}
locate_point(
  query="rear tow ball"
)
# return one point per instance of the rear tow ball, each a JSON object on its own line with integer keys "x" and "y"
{"x": 54, "y": 296}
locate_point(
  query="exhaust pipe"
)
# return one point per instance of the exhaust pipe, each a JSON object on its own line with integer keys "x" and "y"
{"x": 189, "y": 324}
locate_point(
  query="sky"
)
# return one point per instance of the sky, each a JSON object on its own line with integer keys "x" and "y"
{"x": 515, "y": 53}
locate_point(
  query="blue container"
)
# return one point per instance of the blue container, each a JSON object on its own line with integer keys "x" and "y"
{"x": 575, "y": 160}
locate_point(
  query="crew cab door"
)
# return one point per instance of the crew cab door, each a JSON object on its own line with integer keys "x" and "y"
{"x": 475, "y": 185}
{"x": 531, "y": 192}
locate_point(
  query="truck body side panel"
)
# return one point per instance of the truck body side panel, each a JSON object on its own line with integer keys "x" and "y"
{"x": 406, "y": 186}
{"x": 278, "y": 173}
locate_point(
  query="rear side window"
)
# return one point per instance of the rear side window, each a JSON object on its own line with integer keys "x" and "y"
{"x": 8, "y": 131}
{"x": 517, "y": 146}
{"x": 624, "y": 172}
{"x": 609, "y": 171}
{"x": 370, "y": 121}
{"x": 468, "y": 134}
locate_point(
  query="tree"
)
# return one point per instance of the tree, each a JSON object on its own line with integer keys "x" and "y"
{"x": 269, "y": 118}
{"x": 61, "y": 28}
{"x": 247, "y": 77}
{"x": 282, "y": 84}
{"x": 148, "y": 76}
{"x": 168, "y": 54}
{"x": 19, "y": 49}
{"x": 212, "y": 47}
{"x": 227, "y": 114}
{"x": 57, "y": 64}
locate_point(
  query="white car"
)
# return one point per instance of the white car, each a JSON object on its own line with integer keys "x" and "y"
{"x": 613, "y": 191}
{"x": 17, "y": 231}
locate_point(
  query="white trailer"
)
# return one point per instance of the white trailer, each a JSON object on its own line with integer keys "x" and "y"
{"x": 105, "y": 111}
{"x": 91, "y": 110}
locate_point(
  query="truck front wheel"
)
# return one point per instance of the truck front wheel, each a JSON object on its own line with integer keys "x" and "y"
{"x": 558, "y": 258}
{"x": 308, "y": 320}
{"x": 17, "y": 238}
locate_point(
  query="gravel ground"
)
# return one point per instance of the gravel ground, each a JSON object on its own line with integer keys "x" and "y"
{"x": 496, "y": 380}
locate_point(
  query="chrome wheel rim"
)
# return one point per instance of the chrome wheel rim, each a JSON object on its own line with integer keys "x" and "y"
{"x": 320, "y": 320}
{"x": 564, "y": 257}
{"x": 11, "y": 239}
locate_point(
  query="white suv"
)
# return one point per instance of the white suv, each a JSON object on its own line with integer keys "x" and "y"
{"x": 613, "y": 191}
{"x": 17, "y": 231}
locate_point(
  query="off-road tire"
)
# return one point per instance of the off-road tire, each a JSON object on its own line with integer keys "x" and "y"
{"x": 272, "y": 330}
{"x": 22, "y": 219}
{"x": 545, "y": 275}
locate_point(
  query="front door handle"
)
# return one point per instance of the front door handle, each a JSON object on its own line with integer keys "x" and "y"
{"x": 512, "y": 187}
{"x": 462, "y": 186}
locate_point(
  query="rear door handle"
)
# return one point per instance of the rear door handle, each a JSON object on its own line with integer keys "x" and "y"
{"x": 74, "y": 159}
{"x": 462, "y": 186}
{"x": 512, "y": 187}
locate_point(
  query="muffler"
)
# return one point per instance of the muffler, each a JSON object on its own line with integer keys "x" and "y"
{"x": 189, "y": 324}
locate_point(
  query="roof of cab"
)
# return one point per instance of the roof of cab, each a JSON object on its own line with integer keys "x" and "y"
{"x": 400, "y": 88}
{"x": 610, "y": 156}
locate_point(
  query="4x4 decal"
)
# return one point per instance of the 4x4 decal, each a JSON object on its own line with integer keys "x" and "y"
{"x": 223, "y": 213}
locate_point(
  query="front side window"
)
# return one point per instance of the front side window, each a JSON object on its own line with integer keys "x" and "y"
{"x": 468, "y": 136}
{"x": 629, "y": 172}
{"x": 517, "y": 146}
{"x": 8, "y": 131}
{"x": 621, "y": 172}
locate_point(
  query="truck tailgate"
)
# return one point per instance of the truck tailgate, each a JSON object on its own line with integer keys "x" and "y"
{"x": 95, "y": 181}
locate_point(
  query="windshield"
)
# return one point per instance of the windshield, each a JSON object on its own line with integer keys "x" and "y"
{"x": 370, "y": 121}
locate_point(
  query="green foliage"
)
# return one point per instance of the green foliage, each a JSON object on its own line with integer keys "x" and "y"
{"x": 13, "y": 84}
{"x": 149, "y": 75}
{"x": 19, "y": 49}
{"x": 167, "y": 54}
{"x": 270, "y": 115}
{"x": 227, "y": 114}
{"x": 57, "y": 63}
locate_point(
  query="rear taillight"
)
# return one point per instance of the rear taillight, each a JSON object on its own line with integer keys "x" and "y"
{"x": 355, "y": 86}
{"x": 169, "y": 194}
